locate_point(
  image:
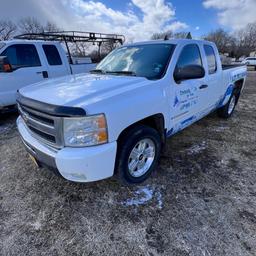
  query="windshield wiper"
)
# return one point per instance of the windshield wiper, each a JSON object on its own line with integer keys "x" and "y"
{"x": 122, "y": 72}
{"x": 97, "y": 71}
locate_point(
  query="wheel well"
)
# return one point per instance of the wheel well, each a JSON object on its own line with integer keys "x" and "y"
{"x": 238, "y": 86}
{"x": 155, "y": 121}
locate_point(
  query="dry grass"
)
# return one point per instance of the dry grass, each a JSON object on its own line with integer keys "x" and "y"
{"x": 201, "y": 200}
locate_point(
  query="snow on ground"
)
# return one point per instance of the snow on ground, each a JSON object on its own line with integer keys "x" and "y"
{"x": 143, "y": 195}
{"x": 197, "y": 148}
{"x": 5, "y": 128}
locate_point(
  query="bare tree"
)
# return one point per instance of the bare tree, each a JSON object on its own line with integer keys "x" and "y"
{"x": 7, "y": 30}
{"x": 223, "y": 40}
{"x": 246, "y": 40}
{"x": 51, "y": 27}
{"x": 171, "y": 35}
{"x": 30, "y": 25}
{"x": 237, "y": 44}
{"x": 80, "y": 49}
{"x": 162, "y": 35}
{"x": 109, "y": 46}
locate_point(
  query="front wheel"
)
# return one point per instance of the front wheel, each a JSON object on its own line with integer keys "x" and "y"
{"x": 139, "y": 152}
{"x": 227, "y": 110}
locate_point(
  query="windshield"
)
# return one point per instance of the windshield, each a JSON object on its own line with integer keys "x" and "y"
{"x": 149, "y": 60}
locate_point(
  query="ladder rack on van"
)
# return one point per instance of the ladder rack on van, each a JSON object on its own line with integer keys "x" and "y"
{"x": 73, "y": 36}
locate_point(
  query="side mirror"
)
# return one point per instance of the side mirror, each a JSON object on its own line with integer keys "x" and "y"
{"x": 5, "y": 65}
{"x": 188, "y": 72}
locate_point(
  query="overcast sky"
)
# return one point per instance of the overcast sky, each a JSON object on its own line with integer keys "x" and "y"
{"x": 137, "y": 19}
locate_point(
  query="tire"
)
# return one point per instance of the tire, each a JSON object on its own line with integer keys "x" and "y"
{"x": 134, "y": 165}
{"x": 228, "y": 109}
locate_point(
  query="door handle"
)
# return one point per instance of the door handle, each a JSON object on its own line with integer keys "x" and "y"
{"x": 44, "y": 73}
{"x": 203, "y": 86}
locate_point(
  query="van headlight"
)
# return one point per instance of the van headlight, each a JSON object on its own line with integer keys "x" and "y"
{"x": 85, "y": 131}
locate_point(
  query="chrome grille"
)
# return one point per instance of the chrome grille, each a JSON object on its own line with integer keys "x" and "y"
{"x": 44, "y": 127}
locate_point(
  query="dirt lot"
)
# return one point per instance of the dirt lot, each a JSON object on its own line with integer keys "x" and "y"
{"x": 201, "y": 200}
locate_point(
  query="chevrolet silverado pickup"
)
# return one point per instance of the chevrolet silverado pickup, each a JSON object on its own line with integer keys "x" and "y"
{"x": 116, "y": 119}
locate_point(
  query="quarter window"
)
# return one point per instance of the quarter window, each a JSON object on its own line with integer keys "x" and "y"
{"x": 190, "y": 55}
{"x": 52, "y": 55}
{"x": 22, "y": 55}
{"x": 211, "y": 59}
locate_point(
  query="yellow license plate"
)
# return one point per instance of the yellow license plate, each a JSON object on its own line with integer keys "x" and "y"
{"x": 34, "y": 161}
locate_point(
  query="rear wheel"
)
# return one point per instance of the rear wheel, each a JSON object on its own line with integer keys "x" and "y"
{"x": 139, "y": 152}
{"x": 227, "y": 110}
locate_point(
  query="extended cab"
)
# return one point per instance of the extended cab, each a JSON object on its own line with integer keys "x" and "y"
{"x": 25, "y": 62}
{"x": 116, "y": 119}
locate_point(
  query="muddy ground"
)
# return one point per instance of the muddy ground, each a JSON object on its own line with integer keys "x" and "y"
{"x": 200, "y": 201}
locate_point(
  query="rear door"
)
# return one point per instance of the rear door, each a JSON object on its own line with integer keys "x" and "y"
{"x": 27, "y": 67}
{"x": 57, "y": 64}
{"x": 190, "y": 95}
{"x": 212, "y": 77}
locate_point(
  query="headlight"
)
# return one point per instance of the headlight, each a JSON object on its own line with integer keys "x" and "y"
{"x": 85, "y": 131}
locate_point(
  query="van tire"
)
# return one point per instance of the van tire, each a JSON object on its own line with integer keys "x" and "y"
{"x": 228, "y": 109}
{"x": 133, "y": 141}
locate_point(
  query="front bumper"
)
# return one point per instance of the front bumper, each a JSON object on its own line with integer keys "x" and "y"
{"x": 75, "y": 164}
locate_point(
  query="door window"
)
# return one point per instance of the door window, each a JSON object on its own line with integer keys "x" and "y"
{"x": 211, "y": 59}
{"x": 190, "y": 55}
{"x": 52, "y": 55}
{"x": 22, "y": 55}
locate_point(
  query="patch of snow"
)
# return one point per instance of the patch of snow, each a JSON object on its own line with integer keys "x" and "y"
{"x": 197, "y": 148}
{"x": 143, "y": 195}
{"x": 159, "y": 199}
{"x": 219, "y": 128}
{"x": 5, "y": 128}
{"x": 36, "y": 225}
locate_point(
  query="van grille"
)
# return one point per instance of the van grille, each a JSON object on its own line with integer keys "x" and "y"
{"x": 42, "y": 126}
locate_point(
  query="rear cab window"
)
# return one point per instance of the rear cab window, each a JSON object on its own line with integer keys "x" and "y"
{"x": 52, "y": 55}
{"x": 211, "y": 59}
{"x": 22, "y": 56}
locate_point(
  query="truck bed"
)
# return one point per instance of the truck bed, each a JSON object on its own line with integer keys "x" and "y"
{"x": 225, "y": 67}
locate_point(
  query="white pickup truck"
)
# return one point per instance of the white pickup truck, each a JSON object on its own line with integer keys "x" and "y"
{"x": 116, "y": 119}
{"x": 25, "y": 62}
{"x": 250, "y": 61}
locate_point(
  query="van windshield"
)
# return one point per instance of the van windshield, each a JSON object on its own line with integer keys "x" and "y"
{"x": 149, "y": 61}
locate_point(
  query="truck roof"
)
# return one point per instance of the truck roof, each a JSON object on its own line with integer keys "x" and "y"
{"x": 171, "y": 41}
{"x": 160, "y": 41}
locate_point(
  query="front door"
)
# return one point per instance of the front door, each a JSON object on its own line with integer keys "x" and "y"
{"x": 189, "y": 95}
{"x": 27, "y": 69}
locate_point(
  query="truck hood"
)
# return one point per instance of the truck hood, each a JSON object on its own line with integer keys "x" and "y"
{"x": 82, "y": 89}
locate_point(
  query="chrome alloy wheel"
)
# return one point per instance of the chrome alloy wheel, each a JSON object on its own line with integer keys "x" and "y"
{"x": 141, "y": 157}
{"x": 232, "y": 105}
